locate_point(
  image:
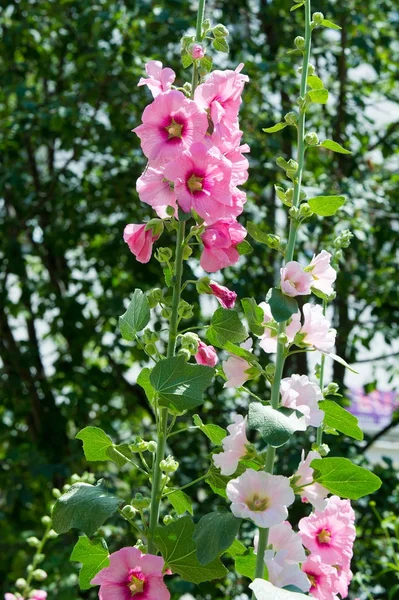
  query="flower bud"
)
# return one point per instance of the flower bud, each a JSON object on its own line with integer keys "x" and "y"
{"x": 190, "y": 341}
{"x": 282, "y": 338}
{"x": 40, "y": 558}
{"x": 299, "y": 42}
{"x": 52, "y": 534}
{"x": 185, "y": 310}
{"x": 163, "y": 255}
{"x": 56, "y": 493}
{"x": 32, "y": 541}
{"x": 323, "y": 449}
{"x": 187, "y": 252}
{"x": 140, "y": 502}
{"x": 136, "y": 444}
{"x": 305, "y": 211}
{"x": 206, "y": 25}
{"x": 338, "y": 255}
{"x": 150, "y": 337}
{"x": 273, "y": 241}
{"x": 170, "y": 211}
{"x": 150, "y": 349}
{"x": 168, "y": 519}
{"x": 66, "y": 487}
{"x": 291, "y": 118}
{"x": 154, "y": 297}
{"x": 46, "y": 520}
{"x": 317, "y": 18}
{"x": 289, "y": 194}
{"x": 331, "y": 389}
{"x": 152, "y": 447}
{"x": 311, "y": 139}
{"x": 169, "y": 465}
{"x": 141, "y": 546}
{"x": 39, "y": 575}
{"x": 311, "y": 69}
{"x": 166, "y": 312}
{"x": 292, "y": 166}
{"x": 293, "y": 212}
{"x": 186, "y": 354}
{"x": 220, "y": 31}
{"x": 75, "y": 478}
{"x": 129, "y": 511}
{"x": 21, "y": 583}
{"x": 197, "y": 51}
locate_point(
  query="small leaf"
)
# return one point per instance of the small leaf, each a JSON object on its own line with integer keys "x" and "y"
{"x": 315, "y": 82}
{"x": 340, "y": 419}
{"x": 282, "y": 307}
{"x": 330, "y": 24}
{"x": 296, "y": 6}
{"x": 275, "y": 426}
{"x": 326, "y": 206}
{"x": 95, "y": 443}
{"x": 136, "y": 317}
{"x": 168, "y": 276}
{"x": 318, "y": 96}
{"x": 226, "y": 326}
{"x": 180, "y": 384}
{"x": 206, "y": 63}
{"x": 236, "y": 549}
{"x": 334, "y": 147}
{"x": 214, "y": 534}
{"x": 341, "y": 361}
{"x": 218, "y": 482}
{"x": 212, "y": 431}
{"x": 220, "y": 44}
{"x": 264, "y": 590}
{"x": 275, "y": 128}
{"x": 187, "y": 60}
{"x": 175, "y": 543}
{"x": 143, "y": 381}
{"x": 256, "y": 233}
{"x": 94, "y": 556}
{"x": 244, "y": 248}
{"x": 180, "y": 502}
{"x": 341, "y": 477}
{"x": 245, "y": 564}
{"x": 84, "y": 507}
{"x": 120, "y": 454}
{"x": 254, "y": 315}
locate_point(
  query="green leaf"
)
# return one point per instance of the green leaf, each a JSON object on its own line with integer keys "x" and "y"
{"x": 180, "y": 502}
{"x": 213, "y": 432}
{"x": 226, "y": 326}
{"x": 334, "y": 147}
{"x": 315, "y": 82}
{"x": 220, "y": 44}
{"x": 176, "y": 544}
{"x": 95, "y": 443}
{"x": 340, "y": 419}
{"x": 120, "y": 454}
{"x": 244, "y": 248}
{"x": 218, "y": 482}
{"x": 275, "y": 426}
{"x": 180, "y": 384}
{"x": 318, "y": 96}
{"x": 168, "y": 276}
{"x": 282, "y": 307}
{"x": 94, "y": 556}
{"x": 214, "y": 534}
{"x": 241, "y": 352}
{"x": 143, "y": 381}
{"x": 296, "y": 6}
{"x": 254, "y": 315}
{"x": 275, "y": 128}
{"x": 341, "y": 477}
{"x": 245, "y": 564}
{"x": 187, "y": 60}
{"x": 206, "y": 63}
{"x": 236, "y": 549}
{"x": 264, "y": 590}
{"x": 326, "y": 206}
{"x": 341, "y": 361}
{"x": 84, "y": 507}
{"x": 256, "y": 233}
{"x": 136, "y": 317}
{"x": 330, "y": 24}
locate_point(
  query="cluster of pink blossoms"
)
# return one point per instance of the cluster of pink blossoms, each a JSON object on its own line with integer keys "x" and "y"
{"x": 34, "y": 595}
{"x": 195, "y": 162}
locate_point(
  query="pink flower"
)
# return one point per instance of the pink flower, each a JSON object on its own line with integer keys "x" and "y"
{"x": 236, "y": 368}
{"x": 202, "y": 181}
{"x": 282, "y": 574}
{"x": 330, "y": 533}
{"x": 294, "y": 280}
{"x": 234, "y": 447}
{"x": 314, "y": 493}
{"x": 155, "y": 190}
{"x": 299, "y": 393}
{"x": 220, "y": 240}
{"x": 227, "y": 298}
{"x": 206, "y": 355}
{"x": 228, "y": 141}
{"x": 132, "y": 574}
{"x": 197, "y": 51}
{"x": 139, "y": 241}
{"x": 171, "y": 124}
{"x": 159, "y": 79}
{"x": 268, "y": 341}
{"x": 322, "y": 577}
{"x": 322, "y": 273}
{"x": 261, "y": 497}
{"x": 38, "y": 595}
{"x": 317, "y": 328}
{"x": 9, "y": 596}
{"x": 221, "y": 94}
{"x": 287, "y": 545}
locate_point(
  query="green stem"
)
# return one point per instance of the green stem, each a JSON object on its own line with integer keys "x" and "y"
{"x": 35, "y": 561}
{"x": 183, "y": 487}
{"x": 319, "y": 435}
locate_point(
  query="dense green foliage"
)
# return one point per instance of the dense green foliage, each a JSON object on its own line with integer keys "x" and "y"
{"x": 68, "y": 101}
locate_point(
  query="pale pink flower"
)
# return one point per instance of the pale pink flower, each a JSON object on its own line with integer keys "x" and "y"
{"x": 227, "y": 298}
{"x": 220, "y": 240}
{"x": 202, "y": 181}
{"x": 299, "y": 393}
{"x": 155, "y": 190}
{"x": 344, "y": 578}
{"x": 221, "y": 94}
{"x": 261, "y": 497}
{"x": 197, "y": 51}
{"x": 287, "y": 545}
{"x": 294, "y": 280}
{"x": 234, "y": 447}
{"x": 132, "y": 574}
{"x": 317, "y": 329}
{"x": 268, "y": 341}
{"x": 235, "y": 368}
{"x": 329, "y": 533}
{"x": 322, "y": 273}
{"x": 314, "y": 493}
{"x": 9, "y": 596}
{"x": 282, "y": 574}
{"x": 140, "y": 241}
{"x": 206, "y": 355}
{"x": 159, "y": 80}
{"x": 171, "y": 124}
{"x": 322, "y": 577}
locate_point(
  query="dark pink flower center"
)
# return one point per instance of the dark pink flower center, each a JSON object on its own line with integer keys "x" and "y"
{"x": 314, "y": 580}
{"x": 195, "y": 182}
{"x": 173, "y": 129}
{"x": 324, "y": 537}
{"x": 136, "y": 582}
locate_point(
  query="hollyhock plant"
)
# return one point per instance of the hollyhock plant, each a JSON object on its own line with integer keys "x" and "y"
{"x": 159, "y": 80}
{"x": 227, "y": 298}
{"x": 294, "y": 280}
{"x": 261, "y": 497}
{"x": 132, "y": 574}
{"x": 234, "y": 447}
{"x": 268, "y": 341}
{"x": 140, "y": 241}
{"x": 171, "y": 124}
{"x": 310, "y": 491}
{"x": 316, "y": 329}
{"x": 323, "y": 578}
{"x": 236, "y": 368}
{"x": 155, "y": 190}
{"x": 220, "y": 241}
{"x": 206, "y": 355}
{"x": 299, "y": 393}
{"x": 322, "y": 273}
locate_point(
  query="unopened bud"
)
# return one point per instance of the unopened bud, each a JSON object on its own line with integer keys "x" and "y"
{"x": 152, "y": 447}
{"x": 165, "y": 479}
{"x": 169, "y": 465}
{"x": 220, "y": 30}
{"x": 141, "y": 546}
{"x": 206, "y": 24}
{"x": 46, "y": 520}
{"x": 140, "y": 502}
{"x": 187, "y": 252}
{"x": 40, "y": 558}
{"x": 338, "y": 255}
{"x": 311, "y": 69}
{"x": 317, "y": 18}
{"x": 56, "y": 493}
{"x": 52, "y": 534}
{"x": 150, "y": 337}
{"x": 292, "y": 165}
{"x": 289, "y": 194}
{"x": 166, "y": 312}
{"x": 20, "y": 584}
{"x": 323, "y": 449}
{"x": 299, "y": 42}
{"x": 197, "y": 51}
{"x": 163, "y": 255}
{"x": 150, "y": 349}
{"x": 32, "y": 541}
{"x": 39, "y": 575}
{"x": 190, "y": 341}
{"x": 170, "y": 210}
{"x": 66, "y": 487}
{"x": 129, "y": 511}
{"x": 293, "y": 212}
{"x": 311, "y": 139}
{"x": 154, "y": 297}
{"x": 186, "y": 354}
{"x": 283, "y": 338}
{"x": 185, "y": 310}
{"x": 168, "y": 519}
{"x": 291, "y": 118}
{"x": 305, "y": 210}
{"x": 331, "y": 389}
